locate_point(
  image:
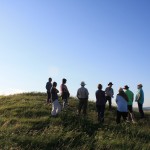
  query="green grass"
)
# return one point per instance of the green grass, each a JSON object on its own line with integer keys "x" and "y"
{"x": 25, "y": 123}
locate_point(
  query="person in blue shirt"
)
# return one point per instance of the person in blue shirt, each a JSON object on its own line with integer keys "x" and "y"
{"x": 140, "y": 99}
{"x": 48, "y": 88}
{"x": 122, "y": 106}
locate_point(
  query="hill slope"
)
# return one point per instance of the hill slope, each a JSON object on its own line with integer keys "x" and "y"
{"x": 25, "y": 123}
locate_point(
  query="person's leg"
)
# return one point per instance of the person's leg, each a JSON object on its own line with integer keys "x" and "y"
{"x": 85, "y": 103}
{"x": 118, "y": 117}
{"x": 102, "y": 112}
{"x": 53, "y": 112}
{"x": 130, "y": 114}
{"x": 48, "y": 97}
{"x": 98, "y": 112}
{"x": 125, "y": 115}
{"x": 64, "y": 103}
{"x": 58, "y": 107}
{"x": 107, "y": 99}
{"x": 80, "y": 106}
{"x": 65, "y": 99}
{"x": 141, "y": 110}
{"x": 110, "y": 103}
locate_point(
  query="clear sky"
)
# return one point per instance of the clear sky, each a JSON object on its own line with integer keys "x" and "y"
{"x": 95, "y": 41}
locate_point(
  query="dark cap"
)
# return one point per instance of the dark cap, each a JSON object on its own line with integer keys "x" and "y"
{"x": 126, "y": 87}
{"x": 140, "y": 85}
{"x": 110, "y": 83}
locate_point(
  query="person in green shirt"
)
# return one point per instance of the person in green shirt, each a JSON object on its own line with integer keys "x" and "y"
{"x": 140, "y": 99}
{"x": 130, "y": 96}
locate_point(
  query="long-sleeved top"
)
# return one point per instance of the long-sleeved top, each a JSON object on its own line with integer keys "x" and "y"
{"x": 130, "y": 96}
{"x": 100, "y": 97}
{"x": 82, "y": 93}
{"x": 122, "y": 104}
{"x": 140, "y": 96}
{"x": 54, "y": 94}
{"x": 48, "y": 86}
{"x": 109, "y": 92}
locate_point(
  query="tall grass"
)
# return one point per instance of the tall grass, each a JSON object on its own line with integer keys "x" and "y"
{"x": 26, "y": 123}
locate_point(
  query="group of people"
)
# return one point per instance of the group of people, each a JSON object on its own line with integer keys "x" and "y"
{"x": 124, "y": 100}
{"x": 52, "y": 96}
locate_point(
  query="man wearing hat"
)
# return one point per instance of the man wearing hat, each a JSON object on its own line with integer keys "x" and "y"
{"x": 140, "y": 99}
{"x": 82, "y": 95}
{"x": 130, "y": 96}
{"x": 109, "y": 92}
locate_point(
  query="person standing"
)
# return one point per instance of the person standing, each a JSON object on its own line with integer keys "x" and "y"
{"x": 64, "y": 93}
{"x": 140, "y": 99}
{"x": 56, "y": 108}
{"x": 130, "y": 96}
{"x": 82, "y": 95}
{"x": 100, "y": 103}
{"x": 109, "y": 92}
{"x": 48, "y": 88}
{"x": 122, "y": 106}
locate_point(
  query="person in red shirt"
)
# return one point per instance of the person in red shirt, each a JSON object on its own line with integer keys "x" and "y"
{"x": 64, "y": 93}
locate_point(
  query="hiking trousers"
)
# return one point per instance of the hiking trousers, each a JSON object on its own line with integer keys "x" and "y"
{"x": 83, "y": 102}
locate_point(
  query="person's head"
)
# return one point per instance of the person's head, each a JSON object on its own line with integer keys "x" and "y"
{"x": 83, "y": 84}
{"x": 126, "y": 87}
{"x": 50, "y": 79}
{"x": 121, "y": 90}
{"x": 139, "y": 86}
{"x": 100, "y": 86}
{"x": 54, "y": 84}
{"x": 110, "y": 84}
{"x": 64, "y": 81}
{"x": 122, "y": 93}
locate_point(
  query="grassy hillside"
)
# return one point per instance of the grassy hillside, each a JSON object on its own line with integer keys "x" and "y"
{"x": 25, "y": 123}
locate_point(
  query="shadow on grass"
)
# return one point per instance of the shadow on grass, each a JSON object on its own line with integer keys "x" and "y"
{"x": 79, "y": 123}
{"x": 30, "y": 113}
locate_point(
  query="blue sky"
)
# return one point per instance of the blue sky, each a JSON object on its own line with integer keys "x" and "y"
{"x": 95, "y": 41}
